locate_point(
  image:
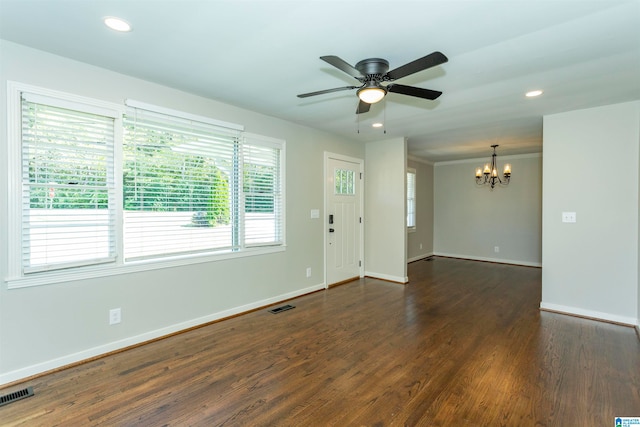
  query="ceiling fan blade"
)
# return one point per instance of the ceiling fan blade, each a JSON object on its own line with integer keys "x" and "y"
{"x": 431, "y": 60}
{"x": 414, "y": 91}
{"x": 363, "y": 107}
{"x": 320, "y": 92}
{"x": 342, "y": 65}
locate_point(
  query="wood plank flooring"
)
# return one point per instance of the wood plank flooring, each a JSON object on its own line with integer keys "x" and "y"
{"x": 463, "y": 343}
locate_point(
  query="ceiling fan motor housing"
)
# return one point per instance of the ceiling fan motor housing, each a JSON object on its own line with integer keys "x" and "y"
{"x": 373, "y": 68}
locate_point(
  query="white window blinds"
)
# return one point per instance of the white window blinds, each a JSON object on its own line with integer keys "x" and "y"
{"x": 262, "y": 193}
{"x": 68, "y": 196}
{"x": 178, "y": 176}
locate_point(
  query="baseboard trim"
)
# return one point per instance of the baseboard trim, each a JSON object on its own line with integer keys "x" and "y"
{"x": 419, "y": 257}
{"x": 74, "y": 359}
{"x": 342, "y": 282}
{"x": 485, "y": 259}
{"x": 387, "y": 277}
{"x": 638, "y": 332}
{"x": 589, "y": 314}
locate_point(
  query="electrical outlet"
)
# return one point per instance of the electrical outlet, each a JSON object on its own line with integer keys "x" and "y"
{"x": 115, "y": 316}
{"x": 308, "y": 271}
{"x": 496, "y": 249}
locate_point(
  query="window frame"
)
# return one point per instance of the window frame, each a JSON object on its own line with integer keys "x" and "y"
{"x": 174, "y": 139}
{"x": 266, "y": 142}
{"x": 54, "y": 108}
{"x": 15, "y": 277}
{"x": 411, "y": 171}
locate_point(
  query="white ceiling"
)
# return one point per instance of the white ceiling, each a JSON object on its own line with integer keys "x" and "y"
{"x": 260, "y": 54}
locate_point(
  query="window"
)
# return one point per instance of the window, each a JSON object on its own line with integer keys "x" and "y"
{"x": 98, "y": 187}
{"x": 197, "y": 187}
{"x": 262, "y": 190}
{"x": 344, "y": 182}
{"x": 411, "y": 198}
{"x": 68, "y": 187}
{"x": 178, "y": 192}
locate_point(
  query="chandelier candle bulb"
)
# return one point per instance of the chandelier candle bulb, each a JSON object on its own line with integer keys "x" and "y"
{"x": 479, "y": 173}
{"x": 507, "y": 169}
{"x": 487, "y": 170}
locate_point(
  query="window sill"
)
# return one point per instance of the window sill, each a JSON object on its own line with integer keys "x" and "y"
{"x": 60, "y": 276}
{"x": 411, "y": 229}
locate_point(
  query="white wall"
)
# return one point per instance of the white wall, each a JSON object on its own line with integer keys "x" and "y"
{"x": 471, "y": 220}
{"x": 51, "y": 325}
{"x": 423, "y": 233}
{"x": 385, "y": 210}
{"x": 590, "y": 267}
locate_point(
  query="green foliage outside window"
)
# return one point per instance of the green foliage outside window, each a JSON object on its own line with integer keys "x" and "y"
{"x": 258, "y": 188}
{"x": 162, "y": 174}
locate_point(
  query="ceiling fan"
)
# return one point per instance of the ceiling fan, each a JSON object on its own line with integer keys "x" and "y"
{"x": 372, "y": 72}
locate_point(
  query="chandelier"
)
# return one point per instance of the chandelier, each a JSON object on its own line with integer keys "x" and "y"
{"x": 489, "y": 174}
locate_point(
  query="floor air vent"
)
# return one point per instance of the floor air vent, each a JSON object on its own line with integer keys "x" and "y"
{"x": 16, "y": 395}
{"x": 281, "y": 309}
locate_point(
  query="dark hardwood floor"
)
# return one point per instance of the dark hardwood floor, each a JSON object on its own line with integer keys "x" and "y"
{"x": 462, "y": 344}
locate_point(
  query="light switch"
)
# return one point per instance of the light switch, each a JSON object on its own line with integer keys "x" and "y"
{"x": 568, "y": 217}
{"x": 315, "y": 213}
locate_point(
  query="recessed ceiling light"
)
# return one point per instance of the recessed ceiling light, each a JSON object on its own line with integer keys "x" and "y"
{"x": 533, "y": 93}
{"x": 117, "y": 24}
{"x": 377, "y": 125}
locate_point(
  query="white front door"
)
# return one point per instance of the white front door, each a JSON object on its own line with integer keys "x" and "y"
{"x": 343, "y": 224}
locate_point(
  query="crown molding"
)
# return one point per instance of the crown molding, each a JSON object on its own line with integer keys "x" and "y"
{"x": 484, "y": 159}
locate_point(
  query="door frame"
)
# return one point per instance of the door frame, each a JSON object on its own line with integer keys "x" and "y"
{"x": 325, "y": 227}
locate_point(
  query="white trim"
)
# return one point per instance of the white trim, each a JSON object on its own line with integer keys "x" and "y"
{"x": 388, "y": 277}
{"x": 182, "y": 114}
{"x": 419, "y": 257}
{"x": 113, "y": 111}
{"x": 329, "y": 155}
{"x": 104, "y": 106}
{"x": 51, "y": 277}
{"x": 599, "y": 315}
{"x": 484, "y": 159}
{"x": 14, "y": 179}
{"x": 498, "y": 260}
{"x": 89, "y": 353}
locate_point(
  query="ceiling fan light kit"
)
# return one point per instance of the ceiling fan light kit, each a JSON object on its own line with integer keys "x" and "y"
{"x": 372, "y": 72}
{"x": 489, "y": 174}
{"x": 371, "y": 93}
